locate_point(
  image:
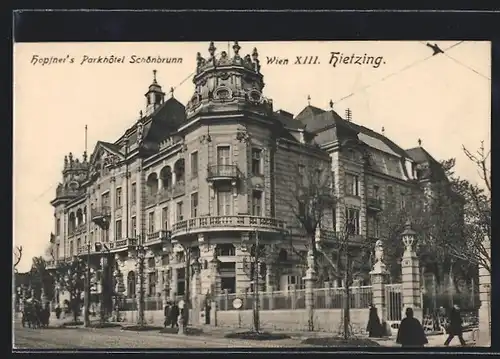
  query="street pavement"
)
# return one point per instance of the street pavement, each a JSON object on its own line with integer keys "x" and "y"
{"x": 114, "y": 338}
{"x": 79, "y": 338}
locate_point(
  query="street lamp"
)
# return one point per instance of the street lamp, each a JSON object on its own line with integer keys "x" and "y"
{"x": 139, "y": 251}
{"x": 254, "y": 265}
{"x": 103, "y": 249}
{"x": 86, "y": 298}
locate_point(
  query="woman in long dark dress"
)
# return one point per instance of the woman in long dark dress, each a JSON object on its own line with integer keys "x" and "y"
{"x": 374, "y": 327}
{"x": 411, "y": 333}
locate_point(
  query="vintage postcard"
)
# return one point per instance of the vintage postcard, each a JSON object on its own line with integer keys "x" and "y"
{"x": 252, "y": 194}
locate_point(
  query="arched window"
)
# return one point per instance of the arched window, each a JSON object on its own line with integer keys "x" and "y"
{"x": 166, "y": 177}
{"x": 179, "y": 170}
{"x": 71, "y": 222}
{"x": 283, "y": 255}
{"x": 152, "y": 184}
{"x": 79, "y": 217}
{"x": 131, "y": 284}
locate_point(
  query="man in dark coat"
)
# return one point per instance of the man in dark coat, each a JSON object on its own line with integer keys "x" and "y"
{"x": 174, "y": 313}
{"x": 455, "y": 326}
{"x": 166, "y": 313}
{"x": 411, "y": 333}
{"x": 374, "y": 327}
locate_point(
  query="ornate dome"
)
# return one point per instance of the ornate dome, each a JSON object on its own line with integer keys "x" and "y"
{"x": 228, "y": 80}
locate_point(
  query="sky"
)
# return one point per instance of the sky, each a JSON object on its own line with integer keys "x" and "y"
{"x": 444, "y": 100}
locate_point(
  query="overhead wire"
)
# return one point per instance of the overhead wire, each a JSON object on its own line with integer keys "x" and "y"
{"x": 364, "y": 88}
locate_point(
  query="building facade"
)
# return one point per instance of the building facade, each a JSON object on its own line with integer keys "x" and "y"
{"x": 204, "y": 180}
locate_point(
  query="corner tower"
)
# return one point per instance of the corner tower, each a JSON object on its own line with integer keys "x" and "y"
{"x": 225, "y": 83}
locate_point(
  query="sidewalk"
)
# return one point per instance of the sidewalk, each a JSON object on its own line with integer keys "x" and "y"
{"x": 435, "y": 341}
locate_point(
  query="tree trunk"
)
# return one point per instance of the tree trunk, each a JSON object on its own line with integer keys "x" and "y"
{"x": 347, "y": 287}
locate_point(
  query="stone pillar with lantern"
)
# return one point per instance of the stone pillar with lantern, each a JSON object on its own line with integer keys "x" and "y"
{"x": 410, "y": 273}
{"x": 379, "y": 275}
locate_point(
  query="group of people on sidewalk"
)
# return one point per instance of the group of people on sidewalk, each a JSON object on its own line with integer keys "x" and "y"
{"x": 411, "y": 333}
{"x": 171, "y": 313}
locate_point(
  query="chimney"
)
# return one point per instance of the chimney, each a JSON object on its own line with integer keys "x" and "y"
{"x": 348, "y": 114}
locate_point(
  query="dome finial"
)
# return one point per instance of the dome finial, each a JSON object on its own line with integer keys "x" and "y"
{"x": 172, "y": 92}
{"x": 419, "y": 142}
{"x": 211, "y": 49}
{"x": 331, "y": 104}
{"x": 154, "y": 76}
{"x": 236, "y": 49}
{"x": 309, "y": 100}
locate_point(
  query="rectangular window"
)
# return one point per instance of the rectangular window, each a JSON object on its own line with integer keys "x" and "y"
{"x": 151, "y": 222}
{"x": 223, "y": 155}
{"x": 352, "y": 184}
{"x": 133, "y": 193}
{"x": 71, "y": 249}
{"x": 376, "y": 227}
{"x": 194, "y": 164}
{"x": 165, "y": 260}
{"x": 180, "y": 211}
{"x": 58, "y": 248}
{"x": 105, "y": 199}
{"x": 376, "y": 192}
{"x": 390, "y": 193}
{"x": 118, "y": 230}
{"x": 194, "y": 205}
{"x": 164, "y": 218}
{"x": 256, "y": 161}
{"x": 119, "y": 197}
{"x": 152, "y": 284}
{"x": 302, "y": 173}
{"x": 134, "y": 226}
{"x": 224, "y": 202}
{"x": 58, "y": 226}
{"x": 352, "y": 221}
{"x": 256, "y": 203}
{"x": 295, "y": 281}
{"x": 403, "y": 199}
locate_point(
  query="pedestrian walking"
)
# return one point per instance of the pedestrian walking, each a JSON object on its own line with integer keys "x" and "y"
{"x": 166, "y": 314}
{"x": 174, "y": 313}
{"x": 455, "y": 326}
{"x": 411, "y": 333}
{"x": 374, "y": 327}
{"x": 58, "y": 311}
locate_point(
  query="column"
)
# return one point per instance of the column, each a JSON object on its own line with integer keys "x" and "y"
{"x": 206, "y": 253}
{"x": 242, "y": 274}
{"x": 309, "y": 280}
{"x": 379, "y": 276}
{"x": 485, "y": 297}
{"x": 410, "y": 273}
{"x": 173, "y": 284}
{"x": 215, "y": 287}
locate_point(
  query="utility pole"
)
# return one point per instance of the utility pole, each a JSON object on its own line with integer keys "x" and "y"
{"x": 86, "y": 297}
{"x": 256, "y": 314}
{"x": 141, "y": 255}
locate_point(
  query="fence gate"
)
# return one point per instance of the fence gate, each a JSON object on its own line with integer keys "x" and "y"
{"x": 394, "y": 302}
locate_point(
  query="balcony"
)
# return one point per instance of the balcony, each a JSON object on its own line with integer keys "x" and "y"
{"x": 374, "y": 204}
{"x": 101, "y": 216}
{"x": 227, "y": 223}
{"x": 223, "y": 173}
{"x": 157, "y": 237}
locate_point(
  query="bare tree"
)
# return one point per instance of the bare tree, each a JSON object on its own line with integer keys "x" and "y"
{"x": 18, "y": 254}
{"x": 311, "y": 201}
{"x": 477, "y": 213}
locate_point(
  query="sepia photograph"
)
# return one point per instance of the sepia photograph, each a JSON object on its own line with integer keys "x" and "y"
{"x": 238, "y": 194}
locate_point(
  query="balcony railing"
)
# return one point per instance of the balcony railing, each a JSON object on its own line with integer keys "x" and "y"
{"x": 374, "y": 203}
{"x": 223, "y": 172}
{"x": 228, "y": 223}
{"x": 100, "y": 212}
{"x": 157, "y": 236}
